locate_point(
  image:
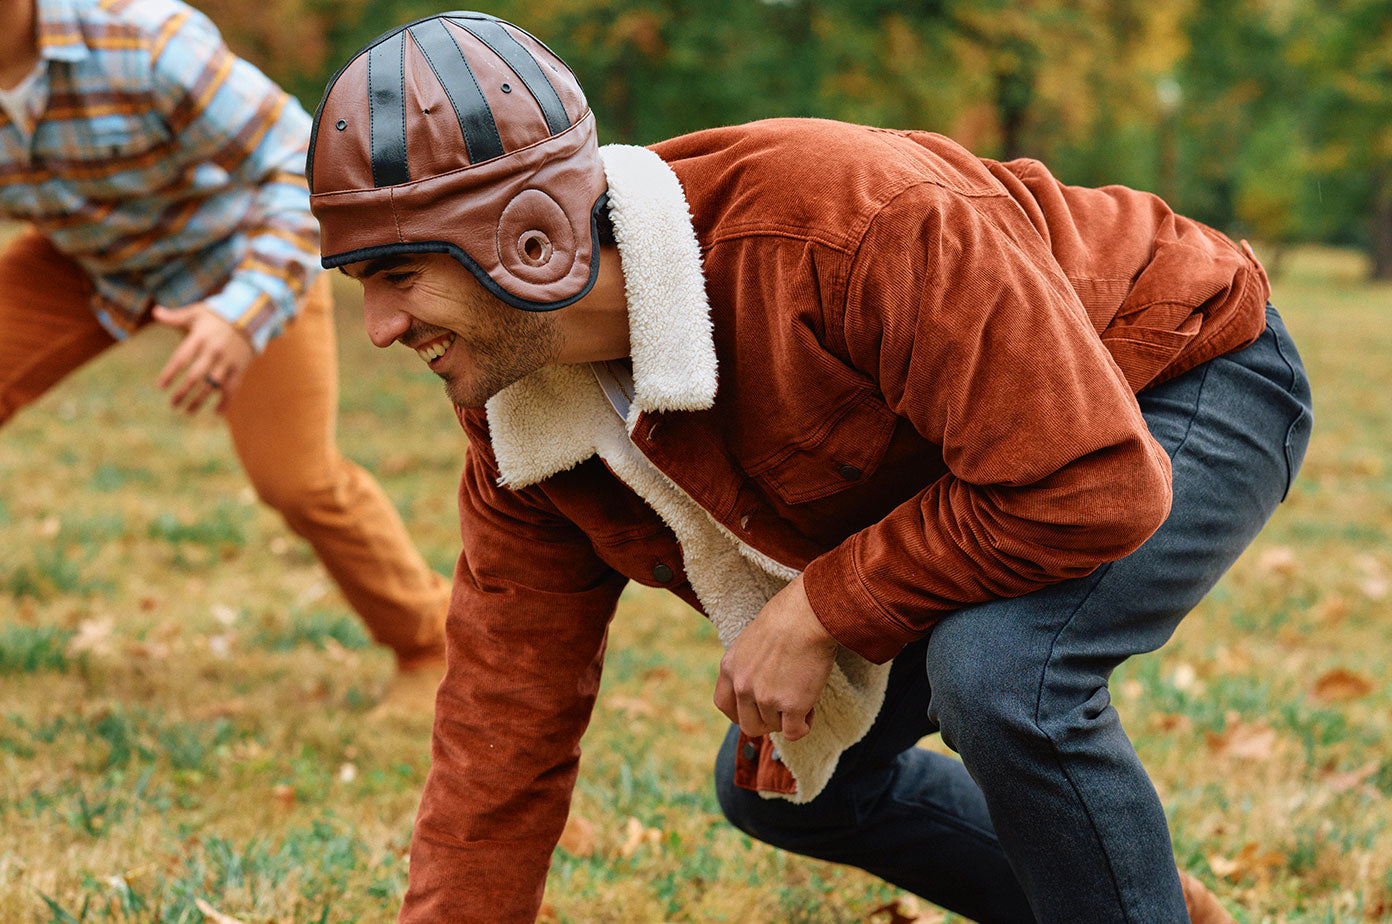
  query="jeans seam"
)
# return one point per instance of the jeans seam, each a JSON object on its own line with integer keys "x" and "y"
{"x": 1058, "y": 761}
{"x": 1099, "y": 574}
{"x": 1280, "y": 351}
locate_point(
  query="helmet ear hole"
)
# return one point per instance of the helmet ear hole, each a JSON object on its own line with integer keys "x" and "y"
{"x": 535, "y": 247}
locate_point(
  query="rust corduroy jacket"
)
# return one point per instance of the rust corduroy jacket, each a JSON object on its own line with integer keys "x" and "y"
{"x": 925, "y": 398}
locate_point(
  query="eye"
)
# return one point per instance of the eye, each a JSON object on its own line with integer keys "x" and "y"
{"x": 397, "y": 278}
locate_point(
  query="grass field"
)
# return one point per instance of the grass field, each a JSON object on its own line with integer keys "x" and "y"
{"x": 184, "y": 696}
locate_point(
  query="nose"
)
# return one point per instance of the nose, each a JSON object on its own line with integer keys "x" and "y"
{"x": 384, "y": 318}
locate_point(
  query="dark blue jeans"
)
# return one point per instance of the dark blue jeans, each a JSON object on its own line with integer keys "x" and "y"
{"x": 1050, "y": 816}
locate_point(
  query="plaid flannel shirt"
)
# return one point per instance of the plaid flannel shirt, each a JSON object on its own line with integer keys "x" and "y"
{"x": 168, "y": 168}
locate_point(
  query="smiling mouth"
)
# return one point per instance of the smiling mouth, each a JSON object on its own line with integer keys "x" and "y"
{"x": 432, "y": 350}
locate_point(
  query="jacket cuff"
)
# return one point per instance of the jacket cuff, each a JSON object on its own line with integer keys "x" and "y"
{"x": 847, "y": 609}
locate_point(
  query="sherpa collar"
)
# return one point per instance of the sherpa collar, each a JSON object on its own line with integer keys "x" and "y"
{"x": 542, "y": 424}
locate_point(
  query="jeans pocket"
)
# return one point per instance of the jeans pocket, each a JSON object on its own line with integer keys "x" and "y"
{"x": 1297, "y": 438}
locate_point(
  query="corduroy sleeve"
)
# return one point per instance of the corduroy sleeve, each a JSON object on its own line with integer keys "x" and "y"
{"x": 957, "y": 309}
{"x": 527, "y": 627}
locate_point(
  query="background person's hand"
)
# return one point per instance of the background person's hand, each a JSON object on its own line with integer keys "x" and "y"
{"x": 212, "y": 351}
{"x": 771, "y": 676}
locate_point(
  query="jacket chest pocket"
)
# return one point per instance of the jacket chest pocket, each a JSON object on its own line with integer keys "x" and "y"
{"x": 841, "y": 453}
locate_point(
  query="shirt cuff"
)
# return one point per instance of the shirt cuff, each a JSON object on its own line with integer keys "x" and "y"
{"x": 250, "y": 309}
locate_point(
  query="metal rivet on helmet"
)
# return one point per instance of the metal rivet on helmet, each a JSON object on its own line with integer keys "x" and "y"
{"x": 442, "y": 156}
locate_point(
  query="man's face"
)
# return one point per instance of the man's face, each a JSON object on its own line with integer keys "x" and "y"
{"x": 467, "y": 336}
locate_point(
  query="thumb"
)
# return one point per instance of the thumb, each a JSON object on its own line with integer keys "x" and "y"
{"x": 181, "y": 318}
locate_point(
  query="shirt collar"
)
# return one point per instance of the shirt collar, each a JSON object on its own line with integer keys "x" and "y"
{"x": 60, "y": 31}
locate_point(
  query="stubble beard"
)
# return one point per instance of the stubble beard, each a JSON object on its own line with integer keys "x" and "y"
{"x": 515, "y": 346}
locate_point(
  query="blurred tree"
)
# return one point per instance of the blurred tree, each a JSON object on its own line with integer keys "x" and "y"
{"x": 1273, "y": 115}
{"x": 1342, "y": 50}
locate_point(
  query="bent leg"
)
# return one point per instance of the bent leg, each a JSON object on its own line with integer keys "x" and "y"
{"x": 1019, "y": 687}
{"x": 283, "y": 420}
{"x": 905, "y": 814}
{"x": 47, "y": 328}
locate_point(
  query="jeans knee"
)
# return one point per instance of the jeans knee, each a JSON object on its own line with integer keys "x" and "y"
{"x": 985, "y": 712}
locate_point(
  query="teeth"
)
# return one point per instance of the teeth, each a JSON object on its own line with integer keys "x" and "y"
{"x": 435, "y": 348}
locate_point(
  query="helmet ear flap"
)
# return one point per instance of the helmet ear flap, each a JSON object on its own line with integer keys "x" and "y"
{"x": 535, "y": 240}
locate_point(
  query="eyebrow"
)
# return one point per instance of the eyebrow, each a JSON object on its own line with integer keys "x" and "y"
{"x": 379, "y": 265}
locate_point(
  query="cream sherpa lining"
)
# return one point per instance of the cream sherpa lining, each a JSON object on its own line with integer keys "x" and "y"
{"x": 558, "y": 417}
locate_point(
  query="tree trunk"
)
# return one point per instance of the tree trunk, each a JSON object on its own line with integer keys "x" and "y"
{"x": 1381, "y": 219}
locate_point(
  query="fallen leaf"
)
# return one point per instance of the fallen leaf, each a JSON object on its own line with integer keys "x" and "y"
{"x": 1331, "y": 610}
{"x": 92, "y": 636}
{"x": 1349, "y": 779}
{"x": 578, "y": 838}
{"x": 1374, "y": 584}
{"x": 1184, "y": 677}
{"x": 906, "y": 910}
{"x": 1279, "y": 559}
{"x": 1341, "y": 685}
{"x": 224, "y": 614}
{"x": 636, "y": 835}
{"x": 284, "y": 794}
{"x": 546, "y": 914}
{"x": 1251, "y": 862}
{"x": 687, "y": 724}
{"x": 212, "y": 914}
{"x": 1171, "y": 722}
{"x": 1243, "y": 740}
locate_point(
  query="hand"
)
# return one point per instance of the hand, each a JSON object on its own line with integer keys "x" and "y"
{"x": 212, "y": 351}
{"x": 771, "y": 676}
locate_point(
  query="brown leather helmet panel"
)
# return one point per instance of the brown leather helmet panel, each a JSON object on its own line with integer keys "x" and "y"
{"x": 489, "y": 153}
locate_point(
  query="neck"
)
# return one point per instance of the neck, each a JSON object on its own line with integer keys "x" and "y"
{"x": 596, "y": 327}
{"x": 19, "y": 41}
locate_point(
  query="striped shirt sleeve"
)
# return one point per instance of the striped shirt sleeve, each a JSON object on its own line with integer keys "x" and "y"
{"x": 226, "y": 114}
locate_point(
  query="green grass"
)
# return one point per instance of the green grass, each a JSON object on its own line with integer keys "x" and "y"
{"x": 184, "y": 695}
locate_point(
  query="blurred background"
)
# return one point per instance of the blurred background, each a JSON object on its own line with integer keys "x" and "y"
{"x": 1269, "y": 119}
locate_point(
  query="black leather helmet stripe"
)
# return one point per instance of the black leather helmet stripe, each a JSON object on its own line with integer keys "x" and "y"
{"x": 476, "y": 120}
{"x": 386, "y": 65}
{"x": 524, "y": 66}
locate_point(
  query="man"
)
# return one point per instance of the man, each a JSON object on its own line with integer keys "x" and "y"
{"x": 162, "y": 179}
{"x": 857, "y": 395}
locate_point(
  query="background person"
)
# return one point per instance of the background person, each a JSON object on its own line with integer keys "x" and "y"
{"x": 161, "y": 178}
{"x": 934, "y": 441}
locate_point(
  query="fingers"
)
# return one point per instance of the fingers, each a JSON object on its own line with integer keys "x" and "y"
{"x": 756, "y": 715}
{"x": 231, "y": 379}
{"x": 208, "y": 363}
{"x": 196, "y": 386}
{"x": 183, "y": 354}
{"x": 794, "y": 727}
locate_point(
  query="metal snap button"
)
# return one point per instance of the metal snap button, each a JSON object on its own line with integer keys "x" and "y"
{"x": 751, "y": 751}
{"x": 661, "y": 573}
{"x": 848, "y": 472}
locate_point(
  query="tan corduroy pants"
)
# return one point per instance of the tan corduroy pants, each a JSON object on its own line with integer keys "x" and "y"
{"x": 282, "y": 420}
